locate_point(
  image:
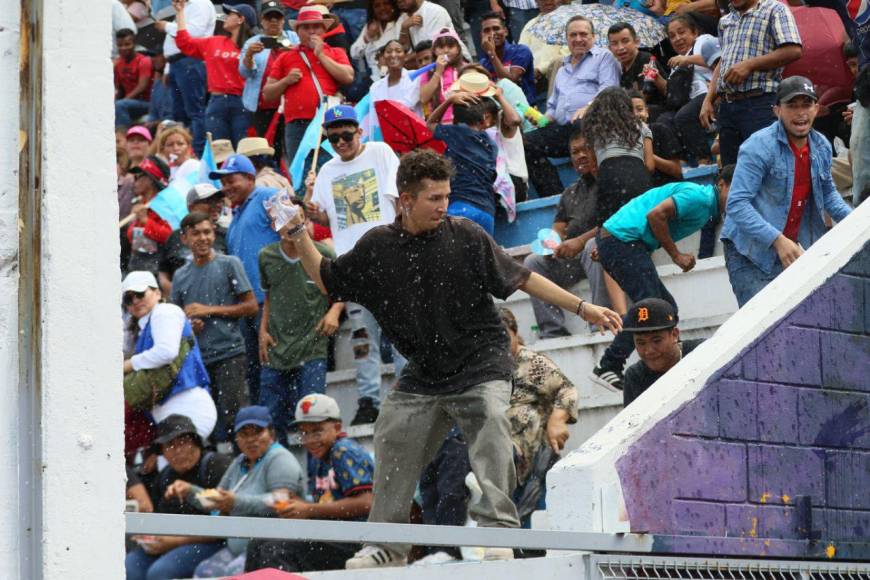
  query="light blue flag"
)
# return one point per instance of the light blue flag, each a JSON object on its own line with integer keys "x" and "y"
{"x": 206, "y": 165}
{"x": 171, "y": 203}
{"x": 307, "y": 145}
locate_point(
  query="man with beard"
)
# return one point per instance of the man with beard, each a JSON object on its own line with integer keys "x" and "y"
{"x": 767, "y": 229}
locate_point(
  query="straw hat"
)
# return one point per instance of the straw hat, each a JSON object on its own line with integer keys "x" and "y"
{"x": 250, "y": 146}
{"x": 222, "y": 149}
{"x": 475, "y": 83}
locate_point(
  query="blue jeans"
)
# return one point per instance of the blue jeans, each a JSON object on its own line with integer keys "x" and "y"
{"x": 474, "y": 213}
{"x": 740, "y": 119}
{"x": 162, "y": 105}
{"x": 176, "y": 563}
{"x": 631, "y": 266}
{"x": 227, "y": 118}
{"x": 250, "y": 327}
{"x": 128, "y": 110}
{"x": 746, "y": 278}
{"x": 517, "y": 19}
{"x": 281, "y": 390}
{"x": 293, "y": 133}
{"x": 187, "y": 86}
{"x": 366, "y": 342}
{"x": 860, "y": 148}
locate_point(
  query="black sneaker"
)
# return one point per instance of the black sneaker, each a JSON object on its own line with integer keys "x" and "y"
{"x": 366, "y": 412}
{"x": 608, "y": 379}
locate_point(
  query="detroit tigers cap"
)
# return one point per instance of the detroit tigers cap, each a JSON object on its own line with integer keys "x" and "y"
{"x": 649, "y": 315}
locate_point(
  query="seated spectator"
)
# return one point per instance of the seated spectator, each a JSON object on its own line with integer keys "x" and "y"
{"x": 623, "y": 43}
{"x": 125, "y": 183}
{"x": 147, "y": 232}
{"x": 652, "y": 324}
{"x": 297, "y": 321}
{"x": 396, "y": 85}
{"x": 225, "y": 116}
{"x": 423, "y": 54}
{"x": 382, "y": 27}
{"x": 506, "y": 60}
{"x": 205, "y": 198}
{"x": 575, "y": 223}
{"x": 340, "y": 478}
{"x": 215, "y": 293}
{"x": 257, "y": 149}
{"x": 159, "y": 328}
{"x": 582, "y": 75}
{"x": 263, "y": 473}
{"x": 255, "y": 62}
{"x": 666, "y": 146}
{"x": 766, "y": 226}
{"x": 132, "y": 80}
{"x": 698, "y": 53}
{"x": 546, "y": 55}
{"x": 543, "y": 404}
{"x": 136, "y": 141}
{"x": 421, "y": 20}
{"x": 435, "y": 85}
{"x": 473, "y": 154}
{"x": 175, "y": 145}
{"x": 291, "y": 75}
{"x": 137, "y": 492}
{"x": 658, "y": 218}
{"x": 168, "y": 557}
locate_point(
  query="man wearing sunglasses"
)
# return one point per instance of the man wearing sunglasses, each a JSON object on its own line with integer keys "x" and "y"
{"x": 354, "y": 192}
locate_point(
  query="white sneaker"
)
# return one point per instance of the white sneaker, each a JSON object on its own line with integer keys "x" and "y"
{"x": 375, "y": 557}
{"x": 498, "y": 554}
{"x": 436, "y": 558}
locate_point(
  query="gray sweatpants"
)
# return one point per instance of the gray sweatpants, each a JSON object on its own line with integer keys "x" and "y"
{"x": 565, "y": 273}
{"x": 411, "y": 428}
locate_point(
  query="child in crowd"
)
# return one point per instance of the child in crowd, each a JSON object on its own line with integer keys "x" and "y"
{"x": 340, "y": 479}
{"x": 503, "y": 126}
{"x": 436, "y": 84}
{"x": 474, "y": 156}
{"x": 623, "y": 147}
{"x": 423, "y": 54}
{"x": 666, "y": 146}
{"x": 701, "y": 52}
{"x": 297, "y": 321}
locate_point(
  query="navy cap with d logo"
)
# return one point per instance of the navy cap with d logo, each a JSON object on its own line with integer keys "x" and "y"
{"x": 649, "y": 315}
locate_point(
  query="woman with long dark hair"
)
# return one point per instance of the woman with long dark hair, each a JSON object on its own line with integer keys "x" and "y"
{"x": 225, "y": 116}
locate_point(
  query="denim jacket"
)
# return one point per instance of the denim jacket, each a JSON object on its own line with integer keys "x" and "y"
{"x": 254, "y": 77}
{"x": 761, "y": 191}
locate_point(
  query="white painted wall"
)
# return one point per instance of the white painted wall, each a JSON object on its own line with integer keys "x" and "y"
{"x": 9, "y": 29}
{"x": 81, "y": 430}
{"x": 583, "y": 491}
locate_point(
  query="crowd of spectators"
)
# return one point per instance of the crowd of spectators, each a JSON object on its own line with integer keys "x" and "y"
{"x": 232, "y": 318}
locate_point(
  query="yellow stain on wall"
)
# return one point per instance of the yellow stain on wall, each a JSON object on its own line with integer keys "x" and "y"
{"x": 786, "y": 498}
{"x": 753, "y": 533}
{"x": 765, "y": 497}
{"x": 830, "y": 551}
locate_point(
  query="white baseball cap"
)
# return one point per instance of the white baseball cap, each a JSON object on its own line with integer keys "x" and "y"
{"x": 138, "y": 281}
{"x": 200, "y": 192}
{"x": 317, "y": 408}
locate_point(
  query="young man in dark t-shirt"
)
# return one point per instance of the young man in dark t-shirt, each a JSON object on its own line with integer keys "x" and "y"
{"x": 653, "y": 325}
{"x": 429, "y": 280}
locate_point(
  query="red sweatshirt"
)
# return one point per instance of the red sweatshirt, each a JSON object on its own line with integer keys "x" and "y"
{"x": 221, "y": 56}
{"x": 156, "y": 228}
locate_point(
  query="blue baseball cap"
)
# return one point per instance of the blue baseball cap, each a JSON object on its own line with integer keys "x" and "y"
{"x": 340, "y": 114}
{"x": 253, "y": 415}
{"x": 234, "y": 164}
{"x": 244, "y": 11}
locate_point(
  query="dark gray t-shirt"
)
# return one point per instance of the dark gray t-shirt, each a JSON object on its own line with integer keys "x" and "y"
{"x": 218, "y": 283}
{"x": 577, "y": 206}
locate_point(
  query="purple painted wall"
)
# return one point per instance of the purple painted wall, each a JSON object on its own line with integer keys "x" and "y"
{"x": 789, "y": 417}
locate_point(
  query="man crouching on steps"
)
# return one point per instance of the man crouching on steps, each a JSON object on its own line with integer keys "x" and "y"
{"x": 429, "y": 280}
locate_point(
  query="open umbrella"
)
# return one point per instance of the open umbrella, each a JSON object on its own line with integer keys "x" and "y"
{"x": 403, "y": 130}
{"x": 551, "y": 27}
{"x": 268, "y": 574}
{"x": 822, "y": 59}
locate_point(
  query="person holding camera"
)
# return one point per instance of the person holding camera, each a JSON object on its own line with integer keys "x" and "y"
{"x": 258, "y": 54}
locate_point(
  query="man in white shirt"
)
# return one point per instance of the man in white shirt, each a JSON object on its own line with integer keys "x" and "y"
{"x": 187, "y": 74}
{"x": 353, "y": 193}
{"x": 422, "y": 20}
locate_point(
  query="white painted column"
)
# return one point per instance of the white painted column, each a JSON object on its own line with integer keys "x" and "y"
{"x": 75, "y": 389}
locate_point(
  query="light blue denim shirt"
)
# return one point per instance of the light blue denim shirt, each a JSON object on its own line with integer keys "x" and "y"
{"x": 761, "y": 191}
{"x": 254, "y": 77}
{"x": 576, "y": 85}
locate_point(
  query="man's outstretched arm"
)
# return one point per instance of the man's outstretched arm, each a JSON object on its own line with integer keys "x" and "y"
{"x": 543, "y": 289}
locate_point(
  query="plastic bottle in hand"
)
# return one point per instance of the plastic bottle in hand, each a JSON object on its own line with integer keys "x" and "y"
{"x": 650, "y": 74}
{"x": 535, "y": 116}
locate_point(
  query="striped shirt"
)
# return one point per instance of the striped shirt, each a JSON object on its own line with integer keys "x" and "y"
{"x": 521, "y": 4}
{"x": 756, "y": 32}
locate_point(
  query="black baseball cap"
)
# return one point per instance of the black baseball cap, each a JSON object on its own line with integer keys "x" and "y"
{"x": 649, "y": 315}
{"x": 272, "y": 6}
{"x": 175, "y": 426}
{"x": 796, "y": 86}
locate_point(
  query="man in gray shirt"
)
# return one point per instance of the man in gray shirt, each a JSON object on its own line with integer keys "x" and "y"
{"x": 214, "y": 292}
{"x": 571, "y": 261}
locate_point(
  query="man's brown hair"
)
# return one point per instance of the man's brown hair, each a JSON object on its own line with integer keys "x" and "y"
{"x": 422, "y": 164}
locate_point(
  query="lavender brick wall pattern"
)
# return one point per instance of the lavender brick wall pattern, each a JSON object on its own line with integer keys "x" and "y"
{"x": 788, "y": 418}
